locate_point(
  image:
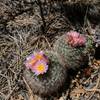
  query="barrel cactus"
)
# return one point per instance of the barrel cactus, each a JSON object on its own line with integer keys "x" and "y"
{"x": 46, "y": 78}
{"x": 73, "y": 48}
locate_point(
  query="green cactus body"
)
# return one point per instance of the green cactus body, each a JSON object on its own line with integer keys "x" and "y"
{"x": 51, "y": 81}
{"x": 73, "y": 57}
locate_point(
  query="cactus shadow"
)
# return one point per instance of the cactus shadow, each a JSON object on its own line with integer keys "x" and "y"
{"x": 97, "y": 53}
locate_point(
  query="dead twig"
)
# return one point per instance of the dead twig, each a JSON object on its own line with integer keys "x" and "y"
{"x": 94, "y": 89}
{"x": 31, "y": 97}
{"x": 4, "y": 96}
{"x": 90, "y": 90}
{"x": 8, "y": 96}
{"x": 42, "y": 16}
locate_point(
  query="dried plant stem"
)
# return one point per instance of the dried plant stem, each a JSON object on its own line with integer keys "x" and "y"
{"x": 94, "y": 89}
{"x": 42, "y": 16}
{"x": 29, "y": 90}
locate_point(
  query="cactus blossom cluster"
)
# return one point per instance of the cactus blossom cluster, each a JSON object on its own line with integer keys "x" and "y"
{"x": 37, "y": 63}
{"x": 75, "y": 39}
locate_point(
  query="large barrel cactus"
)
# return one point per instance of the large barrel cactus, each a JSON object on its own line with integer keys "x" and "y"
{"x": 47, "y": 82}
{"x": 73, "y": 48}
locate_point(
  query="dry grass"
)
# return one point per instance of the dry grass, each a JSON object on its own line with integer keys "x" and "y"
{"x": 14, "y": 49}
{"x": 83, "y": 1}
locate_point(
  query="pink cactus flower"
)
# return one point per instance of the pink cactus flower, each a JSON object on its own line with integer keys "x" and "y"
{"x": 37, "y": 62}
{"x": 40, "y": 67}
{"x": 75, "y": 39}
{"x": 82, "y": 40}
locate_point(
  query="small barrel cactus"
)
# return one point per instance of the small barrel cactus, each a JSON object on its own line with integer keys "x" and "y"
{"x": 44, "y": 74}
{"x": 72, "y": 48}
